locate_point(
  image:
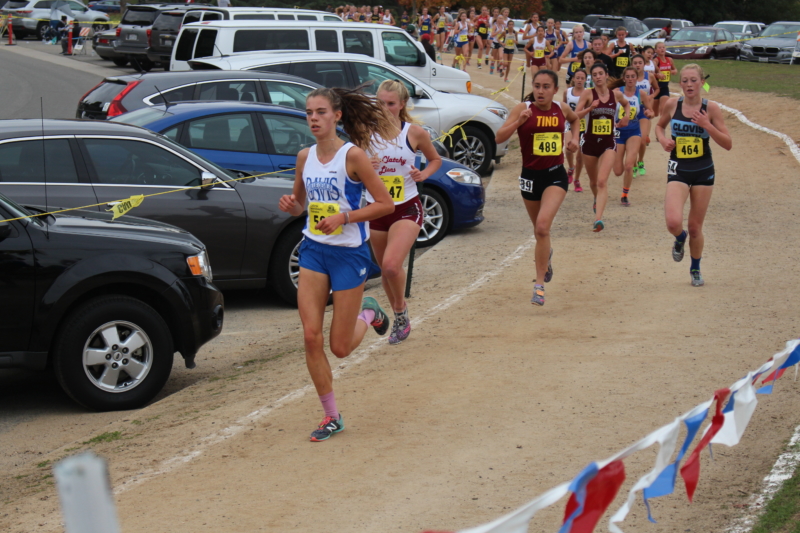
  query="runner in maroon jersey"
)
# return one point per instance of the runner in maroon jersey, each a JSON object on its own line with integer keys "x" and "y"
{"x": 540, "y": 124}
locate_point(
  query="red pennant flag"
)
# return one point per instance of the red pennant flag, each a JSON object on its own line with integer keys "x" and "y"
{"x": 600, "y": 492}
{"x": 774, "y": 375}
{"x": 690, "y": 471}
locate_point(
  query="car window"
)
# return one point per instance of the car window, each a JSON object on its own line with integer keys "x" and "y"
{"x": 124, "y": 162}
{"x": 192, "y": 16}
{"x": 358, "y": 42}
{"x": 752, "y": 28}
{"x": 42, "y": 5}
{"x": 366, "y": 72}
{"x": 172, "y": 133}
{"x": 205, "y": 43}
{"x": 139, "y": 17}
{"x": 331, "y": 19}
{"x": 727, "y": 35}
{"x": 237, "y": 91}
{"x": 781, "y": 31}
{"x": 254, "y": 16}
{"x": 326, "y": 73}
{"x": 232, "y": 133}
{"x": 327, "y": 40}
{"x": 253, "y": 40}
{"x": 178, "y": 94}
{"x": 289, "y": 134}
{"x": 76, "y": 7}
{"x": 399, "y": 49}
{"x": 21, "y": 161}
{"x": 700, "y": 36}
{"x": 183, "y": 51}
{"x": 168, "y": 22}
{"x": 285, "y": 17}
{"x": 306, "y": 17}
{"x": 279, "y": 68}
{"x": 286, "y": 93}
{"x": 210, "y": 15}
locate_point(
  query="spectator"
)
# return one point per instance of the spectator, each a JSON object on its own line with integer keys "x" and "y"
{"x": 224, "y": 3}
{"x": 63, "y": 31}
{"x": 666, "y": 31}
{"x": 426, "y": 44}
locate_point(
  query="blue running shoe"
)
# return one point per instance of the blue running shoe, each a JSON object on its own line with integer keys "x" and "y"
{"x": 697, "y": 278}
{"x": 327, "y": 427}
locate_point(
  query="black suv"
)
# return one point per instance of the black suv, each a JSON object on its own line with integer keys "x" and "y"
{"x": 607, "y": 25}
{"x": 105, "y": 303}
{"x": 162, "y": 35}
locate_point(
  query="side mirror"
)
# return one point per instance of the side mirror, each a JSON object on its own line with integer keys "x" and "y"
{"x": 418, "y": 92}
{"x": 207, "y": 179}
{"x": 5, "y": 230}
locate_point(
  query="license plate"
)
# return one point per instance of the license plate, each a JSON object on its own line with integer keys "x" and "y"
{"x": 167, "y": 42}
{"x": 132, "y": 37}
{"x": 763, "y": 60}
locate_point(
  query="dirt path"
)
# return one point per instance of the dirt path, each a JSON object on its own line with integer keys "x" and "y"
{"x": 491, "y": 401}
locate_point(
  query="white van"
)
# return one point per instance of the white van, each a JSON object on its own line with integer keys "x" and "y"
{"x": 205, "y": 13}
{"x": 386, "y": 43}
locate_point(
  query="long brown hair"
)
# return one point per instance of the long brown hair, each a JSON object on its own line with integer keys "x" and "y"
{"x": 362, "y": 117}
{"x": 615, "y": 83}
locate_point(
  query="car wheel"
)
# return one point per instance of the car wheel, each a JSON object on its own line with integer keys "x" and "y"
{"x": 472, "y": 149}
{"x": 113, "y": 352}
{"x": 284, "y": 267}
{"x": 713, "y": 55}
{"x": 41, "y": 30}
{"x": 99, "y": 25}
{"x": 435, "y": 219}
{"x": 120, "y": 61}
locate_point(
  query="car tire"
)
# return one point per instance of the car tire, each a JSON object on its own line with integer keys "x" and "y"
{"x": 89, "y": 330}
{"x": 141, "y": 64}
{"x": 284, "y": 266}
{"x": 41, "y": 30}
{"x": 472, "y": 149}
{"x": 100, "y": 25}
{"x": 713, "y": 55}
{"x": 120, "y": 61}
{"x": 435, "y": 217}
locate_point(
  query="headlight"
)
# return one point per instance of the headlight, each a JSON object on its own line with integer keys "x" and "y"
{"x": 464, "y": 176}
{"x": 200, "y": 265}
{"x": 788, "y": 49}
{"x": 701, "y": 50}
{"x": 747, "y": 47}
{"x": 501, "y": 112}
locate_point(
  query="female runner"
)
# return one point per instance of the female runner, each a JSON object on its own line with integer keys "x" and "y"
{"x": 393, "y": 234}
{"x": 440, "y": 20}
{"x": 470, "y": 34}
{"x": 334, "y": 253}
{"x": 571, "y": 97}
{"x": 587, "y": 60}
{"x": 509, "y": 46}
{"x": 561, "y": 43}
{"x": 425, "y": 23}
{"x": 620, "y": 51}
{"x": 482, "y": 35}
{"x": 629, "y": 138}
{"x": 540, "y": 122}
{"x": 460, "y": 32}
{"x": 665, "y": 69}
{"x": 552, "y": 39}
{"x": 574, "y": 47}
{"x": 498, "y": 29}
{"x": 598, "y": 145}
{"x": 690, "y": 169}
{"x": 646, "y": 82}
{"x": 537, "y": 49}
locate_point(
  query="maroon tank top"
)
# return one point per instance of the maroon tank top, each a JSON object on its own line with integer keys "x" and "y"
{"x": 600, "y": 126}
{"x": 541, "y": 137}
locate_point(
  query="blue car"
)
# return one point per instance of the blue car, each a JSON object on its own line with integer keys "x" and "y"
{"x": 256, "y": 138}
{"x": 106, "y": 6}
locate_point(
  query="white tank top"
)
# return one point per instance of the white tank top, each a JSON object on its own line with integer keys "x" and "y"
{"x": 462, "y": 28}
{"x": 644, "y": 84}
{"x": 329, "y": 191}
{"x": 387, "y": 19}
{"x": 572, "y": 99}
{"x": 650, "y": 67}
{"x": 395, "y": 168}
{"x": 539, "y": 46}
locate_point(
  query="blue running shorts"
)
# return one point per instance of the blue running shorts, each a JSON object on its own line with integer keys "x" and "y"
{"x": 347, "y": 268}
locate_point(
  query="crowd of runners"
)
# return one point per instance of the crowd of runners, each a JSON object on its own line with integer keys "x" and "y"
{"x": 603, "y": 123}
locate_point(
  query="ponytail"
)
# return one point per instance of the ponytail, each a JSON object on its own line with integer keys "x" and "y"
{"x": 362, "y": 117}
{"x": 615, "y": 83}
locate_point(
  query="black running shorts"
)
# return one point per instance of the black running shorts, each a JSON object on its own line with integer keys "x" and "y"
{"x": 532, "y": 183}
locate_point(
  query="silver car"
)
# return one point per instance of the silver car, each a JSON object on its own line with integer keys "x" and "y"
{"x": 31, "y": 17}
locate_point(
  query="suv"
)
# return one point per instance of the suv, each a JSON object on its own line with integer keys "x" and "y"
{"x": 31, "y": 17}
{"x": 134, "y": 33}
{"x": 776, "y": 44}
{"x": 607, "y": 25}
{"x": 472, "y": 145}
{"x": 741, "y": 29}
{"x": 677, "y": 24}
{"x": 104, "y": 303}
{"x": 161, "y": 37}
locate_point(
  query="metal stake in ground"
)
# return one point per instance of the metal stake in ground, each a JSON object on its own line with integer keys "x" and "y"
{"x": 411, "y": 255}
{"x": 524, "y": 72}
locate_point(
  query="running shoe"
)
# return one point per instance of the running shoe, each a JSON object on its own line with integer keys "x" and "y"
{"x": 326, "y": 428}
{"x": 538, "y": 295}
{"x": 697, "y": 278}
{"x": 491, "y": 70}
{"x": 598, "y": 226}
{"x": 624, "y": 201}
{"x": 549, "y": 274}
{"x": 642, "y": 170}
{"x": 479, "y": 65}
{"x": 635, "y": 170}
{"x": 401, "y": 327}
{"x": 677, "y": 250}
{"x": 381, "y": 321}
{"x": 594, "y": 206}
{"x": 570, "y": 173}
{"x": 578, "y": 187}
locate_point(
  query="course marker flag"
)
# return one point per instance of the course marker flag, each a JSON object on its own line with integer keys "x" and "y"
{"x": 126, "y": 205}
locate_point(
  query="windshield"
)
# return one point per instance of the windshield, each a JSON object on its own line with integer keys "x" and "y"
{"x": 14, "y": 209}
{"x": 782, "y": 31}
{"x": 734, "y": 28}
{"x": 225, "y": 174}
{"x": 700, "y": 36}
{"x": 139, "y": 17}
{"x": 608, "y": 23}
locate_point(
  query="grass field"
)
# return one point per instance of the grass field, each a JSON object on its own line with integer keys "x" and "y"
{"x": 782, "y": 514}
{"x": 783, "y": 80}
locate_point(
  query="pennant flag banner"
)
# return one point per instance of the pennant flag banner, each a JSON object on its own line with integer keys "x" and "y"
{"x": 595, "y": 487}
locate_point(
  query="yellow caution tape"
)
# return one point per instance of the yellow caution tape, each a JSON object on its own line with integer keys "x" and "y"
{"x": 126, "y": 205}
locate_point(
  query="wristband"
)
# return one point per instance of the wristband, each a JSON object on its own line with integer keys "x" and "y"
{"x": 346, "y": 218}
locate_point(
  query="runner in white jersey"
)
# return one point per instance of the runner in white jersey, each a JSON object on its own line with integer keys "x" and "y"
{"x": 647, "y": 83}
{"x": 334, "y": 254}
{"x": 393, "y": 235}
{"x": 571, "y": 97}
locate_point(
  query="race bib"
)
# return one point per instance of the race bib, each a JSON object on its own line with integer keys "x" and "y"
{"x": 547, "y": 144}
{"x": 601, "y": 126}
{"x": 622, "y": 61}
{"x": 667, "y": 74}
{"x": 688, "y": 147}
{"x": 538, "y": 54}
{"x": 318, "y": 211}
{"x": 424, "y": 27}
{"x": 574, "y": 66}
{"x": 525, "y": 185}
{"x": 672, "y": 167}
{"x": 510, "y": 42}
{"x": 583, "y": 124}
{"x": 441, "y": 23}
{"x": 462, "y": 38}
{"x": 631, "y": 115}
{"x": 482, "y": 31}
{"x": 396, "y": 187}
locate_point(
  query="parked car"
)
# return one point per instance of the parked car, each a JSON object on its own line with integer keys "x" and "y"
{"x": 105, "y": 303}
{"x": 163, "y": 33}
{"x": 702, "y": 42}
{"x": 103, "y": 46}
{"x": 648, "y": 38}
{"x": 106, "y": 6}
{"x": 591, "y": 20}
{"x": 32, "y": 17}
{"x": 257, "y": 13}
{"x": 607, "y": 25}
{"x": 741, "y": 29}
{"x": 775, "y": 44}
{"x": 135, "y": 30}
{"x": 249, "y": 239}
{"x": 567, "y": 26}
{"x": 257, "y": 138}
{"x": 472, "y": 145}
{"x": 677, "y": 24}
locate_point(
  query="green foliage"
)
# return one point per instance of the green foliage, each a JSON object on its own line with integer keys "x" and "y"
{"x": 782, "y": 80}
{"x": 781, "y": 514}
{"x": 105, "y": 437}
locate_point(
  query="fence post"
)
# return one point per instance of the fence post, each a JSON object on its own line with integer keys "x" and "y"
{"x": 85, "y": 493}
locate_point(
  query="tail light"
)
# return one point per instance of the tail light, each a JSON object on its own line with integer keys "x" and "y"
{"x": 149, "y": 34}
{"x": 116, "y": 107}
{"x": 102, "y": 41}
{"x": 119, "y": 31}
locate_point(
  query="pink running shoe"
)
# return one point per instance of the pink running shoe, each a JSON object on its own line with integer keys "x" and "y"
{"x": 570, "y": 173}
{"x": 578, "y": 187}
